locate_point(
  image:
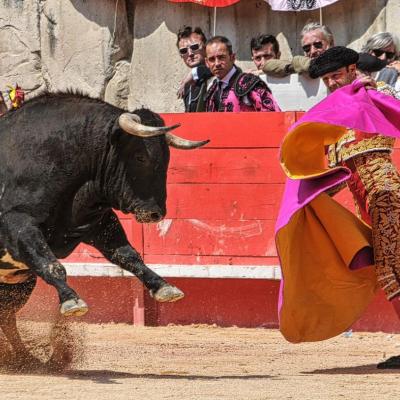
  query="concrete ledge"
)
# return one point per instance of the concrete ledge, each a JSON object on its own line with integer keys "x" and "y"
{"x": 180, "y": 271}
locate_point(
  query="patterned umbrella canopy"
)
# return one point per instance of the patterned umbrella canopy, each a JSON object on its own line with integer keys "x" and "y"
{"x": 209, "y": 3}
{"x": 298, "y": 5}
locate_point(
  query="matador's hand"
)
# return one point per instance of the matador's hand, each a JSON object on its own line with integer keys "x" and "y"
{"x": 395, "y": 65}
{"x": 368, "y": 82}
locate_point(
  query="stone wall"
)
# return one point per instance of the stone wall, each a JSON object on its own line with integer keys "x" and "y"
{"x": 124, "y": 50}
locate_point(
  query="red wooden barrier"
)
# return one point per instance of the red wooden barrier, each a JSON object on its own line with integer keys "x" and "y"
{"x": 223, "y": 199}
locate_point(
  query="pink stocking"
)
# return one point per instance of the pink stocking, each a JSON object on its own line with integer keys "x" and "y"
{"x": 392, "y": 362}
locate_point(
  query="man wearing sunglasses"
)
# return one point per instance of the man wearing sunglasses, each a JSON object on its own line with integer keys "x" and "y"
{"x": 383, "y": 46}
{"x": 191, "y": 48}
{"x": 315, "y": 40}
{"x": 233, "y": 90}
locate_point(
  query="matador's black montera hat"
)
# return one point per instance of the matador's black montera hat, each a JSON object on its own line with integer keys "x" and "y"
{"x": 331, "y": 60}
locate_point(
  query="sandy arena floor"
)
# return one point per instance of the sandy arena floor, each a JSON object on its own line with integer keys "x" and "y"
{"x": 205, "y": 362}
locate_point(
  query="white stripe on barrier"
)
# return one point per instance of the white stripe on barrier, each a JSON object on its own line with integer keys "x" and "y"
{"x": 180, "y": 271}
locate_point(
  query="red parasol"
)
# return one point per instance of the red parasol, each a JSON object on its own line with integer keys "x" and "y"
{"x": 208, "y": 3}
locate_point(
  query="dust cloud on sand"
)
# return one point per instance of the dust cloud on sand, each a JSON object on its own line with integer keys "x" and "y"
{"x": 54, "y": 347}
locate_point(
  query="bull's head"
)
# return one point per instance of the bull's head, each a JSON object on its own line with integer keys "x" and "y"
{"x": 146, "y": 162}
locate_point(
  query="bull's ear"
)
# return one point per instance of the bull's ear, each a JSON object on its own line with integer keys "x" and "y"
{"x": 115, "y": 133}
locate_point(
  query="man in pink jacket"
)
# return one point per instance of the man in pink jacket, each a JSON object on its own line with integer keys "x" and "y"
{"x": 233, "y": 90}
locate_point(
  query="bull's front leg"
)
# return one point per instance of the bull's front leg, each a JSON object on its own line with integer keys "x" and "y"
{"x": 26, "y": 243}
{"x": 111, "y": 241}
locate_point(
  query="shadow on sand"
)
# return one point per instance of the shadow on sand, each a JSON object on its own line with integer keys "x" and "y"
{"x": 106, "y": 376}
{"x": 112, "y": 377}
{"x": 368, "y": 369}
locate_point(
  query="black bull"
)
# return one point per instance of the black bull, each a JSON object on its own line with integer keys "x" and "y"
{"x": 66, "y": 161}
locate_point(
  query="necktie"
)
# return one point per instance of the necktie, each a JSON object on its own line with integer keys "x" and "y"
{"x": 217, "y": 95}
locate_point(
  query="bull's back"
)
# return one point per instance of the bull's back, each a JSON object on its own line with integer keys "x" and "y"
{"x": 47, "y": 148}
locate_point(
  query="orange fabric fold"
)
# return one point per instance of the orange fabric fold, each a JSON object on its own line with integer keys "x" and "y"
{"x": 303, "y": 149}
{"x": 322, "y": 296}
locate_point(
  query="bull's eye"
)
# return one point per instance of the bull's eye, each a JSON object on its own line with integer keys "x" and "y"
{"x": 140, "y": 158}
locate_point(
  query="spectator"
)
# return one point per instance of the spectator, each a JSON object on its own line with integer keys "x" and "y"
{"x": 12, "y": 99}
{"x": 233, "y": 90}
{"x": 16, "y": 96}
{"x": 315, "y": 39}
{"x": 3, "y": 106}
{"x": 383, "y": 46}
{"x": 369, "y": 65}
{"x": 263, "y": 48}
{"x": 191, "y": 47}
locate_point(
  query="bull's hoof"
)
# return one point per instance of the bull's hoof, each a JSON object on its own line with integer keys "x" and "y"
{"x": 74, "y": 307}
{"x": 167, "y": 293}
{"x": 390, "y": 363}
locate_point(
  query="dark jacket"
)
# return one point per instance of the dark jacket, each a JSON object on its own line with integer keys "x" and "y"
{"x": 194, "y": 95}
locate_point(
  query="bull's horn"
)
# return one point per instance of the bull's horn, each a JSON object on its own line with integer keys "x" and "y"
{"x": 179, "y": 143}
{"x": 130, "y": 123}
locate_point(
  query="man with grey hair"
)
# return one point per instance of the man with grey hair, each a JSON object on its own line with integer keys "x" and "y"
{"x": 315, "y": 40}
{"x": 383, "y": 45}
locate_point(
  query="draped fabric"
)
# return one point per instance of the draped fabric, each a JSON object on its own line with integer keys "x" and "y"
{"x": 298, "y": 5}
{"x": 208, "y": 3}
{"x": 325, "y": 251}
